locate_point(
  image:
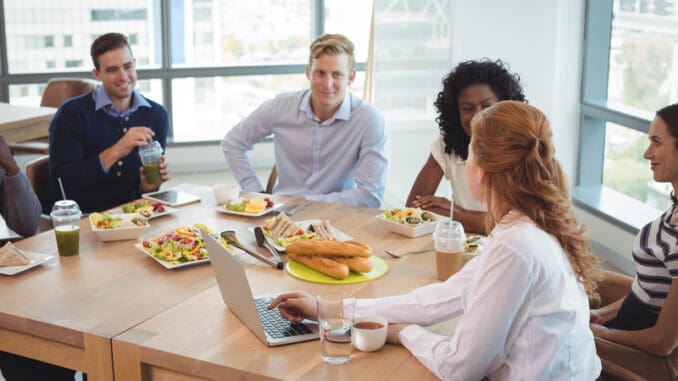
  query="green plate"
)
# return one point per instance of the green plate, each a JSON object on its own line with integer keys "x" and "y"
{"x": 303, "y": 272}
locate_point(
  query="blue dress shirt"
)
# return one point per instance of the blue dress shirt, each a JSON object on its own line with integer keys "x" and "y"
{"x": 341, "y": 160}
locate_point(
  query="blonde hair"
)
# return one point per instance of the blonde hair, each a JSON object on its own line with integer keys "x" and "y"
{"x": 333, "y": 44}
{"x": 512, "y": 143}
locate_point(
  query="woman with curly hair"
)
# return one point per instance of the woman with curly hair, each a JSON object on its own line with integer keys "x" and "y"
{"x": 469, "y": 88}
{"x": 525, "y": 300}
{"x": 646, "y": 315}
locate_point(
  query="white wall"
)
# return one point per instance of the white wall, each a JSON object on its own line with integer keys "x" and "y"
{"x": 542, "y": 41}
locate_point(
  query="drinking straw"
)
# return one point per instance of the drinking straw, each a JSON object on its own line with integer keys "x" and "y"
{"x": 452, "y": 204}
{"x": 61, "y": 185}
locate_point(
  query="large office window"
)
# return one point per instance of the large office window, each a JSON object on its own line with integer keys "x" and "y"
{"x": 630, "y": 71}
{"x": 210, "y": 62}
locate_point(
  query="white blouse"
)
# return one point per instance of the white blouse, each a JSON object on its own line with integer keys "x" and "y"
{"x": 454, "y": 168}
{"x": 525, "y": 316}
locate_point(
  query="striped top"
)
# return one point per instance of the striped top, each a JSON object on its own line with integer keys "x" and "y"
{"x": 655, "y": 251}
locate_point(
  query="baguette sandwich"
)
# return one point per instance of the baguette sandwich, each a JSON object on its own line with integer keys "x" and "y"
{"x": 332, "y": 258}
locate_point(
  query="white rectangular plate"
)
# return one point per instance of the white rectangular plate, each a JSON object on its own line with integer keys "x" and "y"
{"x": 35, "y": 258}
{"x": 168, "y": 210}
{"x": 276, "y": 206}
{"x": 336, "y": 233}
{"x": 168, "y": 265}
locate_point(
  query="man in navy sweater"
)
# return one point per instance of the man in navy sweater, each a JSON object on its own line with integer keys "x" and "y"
{"x": 95, "y": 138}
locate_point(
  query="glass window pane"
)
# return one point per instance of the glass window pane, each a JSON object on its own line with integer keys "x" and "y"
{"x": 232, "y": 32}
{"x": 44, "y": 36}
{"x": 626, "y": 171}
{"x": 351, "y": 18}
{"x": 206, "y": 108}
{"x": 644, "y": 54}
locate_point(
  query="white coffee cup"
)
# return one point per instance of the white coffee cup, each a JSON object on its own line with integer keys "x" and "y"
{"x": 226, "y": 193}
{"x": 369, "y": 333}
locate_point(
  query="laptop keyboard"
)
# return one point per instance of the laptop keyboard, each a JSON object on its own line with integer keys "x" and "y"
{"x": 274, "y": 324}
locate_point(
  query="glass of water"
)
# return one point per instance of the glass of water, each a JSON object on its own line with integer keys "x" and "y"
{"x": 335, "y": 317}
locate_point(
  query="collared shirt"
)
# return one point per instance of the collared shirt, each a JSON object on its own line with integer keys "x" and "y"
{"x": 79, "y": 133}
{"x": 103, "y": 101}
{"x": 525, "y": 315}
{"x": 454, "y": 168}
{"x": 341, "y": 160}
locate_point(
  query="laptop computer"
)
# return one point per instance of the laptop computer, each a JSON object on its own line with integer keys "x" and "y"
{"x": 268, "y": 325}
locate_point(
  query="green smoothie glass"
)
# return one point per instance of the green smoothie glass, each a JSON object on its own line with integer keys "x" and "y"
{"x": 150, "y": 158}
{"x": 66, "y": 220}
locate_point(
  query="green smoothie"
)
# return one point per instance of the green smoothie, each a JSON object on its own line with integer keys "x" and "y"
{"x": 68, "y": 239}
{"x": 152, "y": 171}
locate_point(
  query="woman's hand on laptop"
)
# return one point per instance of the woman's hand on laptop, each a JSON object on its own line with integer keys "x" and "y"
{"x": 296, "y": 306}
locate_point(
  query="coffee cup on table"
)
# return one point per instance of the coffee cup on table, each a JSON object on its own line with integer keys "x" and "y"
{"x": 369, "y": 333}
{"x": 448, "y": 238}
{"x": 226, "y": 193}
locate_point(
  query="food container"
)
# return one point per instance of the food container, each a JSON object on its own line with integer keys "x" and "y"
{"x": 409, "y": 230}
{"x": 124, "y": 229}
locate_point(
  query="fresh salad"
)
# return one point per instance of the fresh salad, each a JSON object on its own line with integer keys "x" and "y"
{"x": 145, "y": 208}
{"x": 409, "y": 216}
{"x": 472, "y": 243}
{"x": 107, "y": 220}
{"x": 250, "y": 205}
{"x": 182, "y": 244}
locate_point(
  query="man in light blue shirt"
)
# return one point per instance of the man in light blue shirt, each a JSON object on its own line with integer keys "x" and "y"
{"x": 329, "y": 144}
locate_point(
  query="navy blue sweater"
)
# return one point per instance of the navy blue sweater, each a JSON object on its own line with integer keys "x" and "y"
{"x": 78, "y": 134}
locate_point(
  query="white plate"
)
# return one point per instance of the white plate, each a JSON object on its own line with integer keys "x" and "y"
{"x": 168, "y": 210}
{"x": 276, "y": 206}
{"x": 35, "y": 258}
{"x": 409, "y": 230}
{"x": 168, "y": 265}
{"x": 336, "y": 233}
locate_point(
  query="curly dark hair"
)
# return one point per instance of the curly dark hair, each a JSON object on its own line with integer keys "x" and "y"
{"x": 506, "y": 86}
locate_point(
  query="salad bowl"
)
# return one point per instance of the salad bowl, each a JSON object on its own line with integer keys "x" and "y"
{"x": 397, "y": 221}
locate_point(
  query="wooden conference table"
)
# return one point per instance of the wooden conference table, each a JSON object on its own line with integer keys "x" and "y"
{"x": 21, "y": 123}
{"x": 115, "y": 313}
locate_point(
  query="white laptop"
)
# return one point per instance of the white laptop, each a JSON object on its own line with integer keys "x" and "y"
{"x": 269, "y": 326}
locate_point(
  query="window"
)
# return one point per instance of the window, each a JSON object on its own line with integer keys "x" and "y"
{"x": 216, "y": 72}
{"x": 49, "y": 41}
{"x": 630, "y": 71}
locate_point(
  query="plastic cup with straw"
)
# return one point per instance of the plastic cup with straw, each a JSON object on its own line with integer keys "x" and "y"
{"x": 65, "y": 218}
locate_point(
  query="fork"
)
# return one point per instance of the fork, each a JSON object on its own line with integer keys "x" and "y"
{"x": 400, "y": 255}
{"x": 297, "y": 209}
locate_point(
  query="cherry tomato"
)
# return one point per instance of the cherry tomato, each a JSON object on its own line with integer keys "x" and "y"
{"x": 146, "y": 244}
{"x": 269, "y": 202}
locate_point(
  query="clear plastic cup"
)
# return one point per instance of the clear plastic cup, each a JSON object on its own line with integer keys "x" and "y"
{"x": 448, "y": 238}
{"x": 66, "y": 220}
{"x": 150, "y": 158}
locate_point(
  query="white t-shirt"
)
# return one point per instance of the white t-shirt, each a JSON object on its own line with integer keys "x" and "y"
{"x": 454, "y": 169}
{"x": 525, "y": 315}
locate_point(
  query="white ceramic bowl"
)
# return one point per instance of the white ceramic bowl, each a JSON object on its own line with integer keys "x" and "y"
{"x": 226, "y": 193}
{"x": 409, "y": 230}
{"x": 369, "y": 333}
{"x": 126, "y": 230}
